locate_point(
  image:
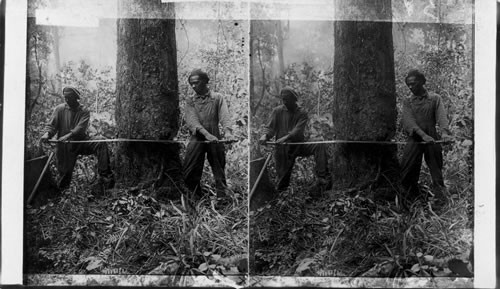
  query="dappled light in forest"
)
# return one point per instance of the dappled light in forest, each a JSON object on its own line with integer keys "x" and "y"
{"x": 240, "y": 142}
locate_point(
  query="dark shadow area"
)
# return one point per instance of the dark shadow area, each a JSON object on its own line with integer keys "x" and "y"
{"x": 2, "y": 60}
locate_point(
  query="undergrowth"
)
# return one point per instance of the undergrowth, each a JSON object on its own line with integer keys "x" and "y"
{"x": 130, "y": 232}
{"x": 356, "y": 234}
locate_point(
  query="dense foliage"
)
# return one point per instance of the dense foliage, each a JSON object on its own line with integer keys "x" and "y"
{"x": 351, "y": 232}
{"x": 135, "y": 230}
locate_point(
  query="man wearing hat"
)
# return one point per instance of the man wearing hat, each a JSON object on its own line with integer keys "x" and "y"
{"x": 287, "y": 124}
{"x": 204, "y": 111}
{"x": 422, "y": 111}
{"x": 69, "y": 122}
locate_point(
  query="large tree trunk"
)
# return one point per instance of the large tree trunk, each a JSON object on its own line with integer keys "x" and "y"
{"x": 29, "y": 60}
{"x": 365, "y": 98}
{"x": 147, "y": 105}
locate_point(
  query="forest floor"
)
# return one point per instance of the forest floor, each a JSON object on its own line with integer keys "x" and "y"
{"x": 357, "y": 235}
{"x": 128, "y": 231}
{"x": 344, "y": 233}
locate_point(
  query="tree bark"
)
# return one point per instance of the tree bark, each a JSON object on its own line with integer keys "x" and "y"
{"x": 29, "y": 60}
{"x": 365, "y": 98}
{"x": 147, "y": 105}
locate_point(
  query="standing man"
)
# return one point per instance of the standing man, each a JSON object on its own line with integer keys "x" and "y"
{"x": 204, "y": 111}
{"x": 287, "y": 124}
{"x": 421, "y": 112}
{"x": 69, "y": 122}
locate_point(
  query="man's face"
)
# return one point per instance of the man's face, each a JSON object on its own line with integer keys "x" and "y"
{"x": 415, "y": 85}
{"x": 288, "y": 100}
{"x": 197, "y": 84}
{"x": 71, "y": 99}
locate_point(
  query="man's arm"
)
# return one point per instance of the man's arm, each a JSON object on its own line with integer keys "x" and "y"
{"x": 410, "y": 124}
{"x": 299, "y": 128}
{"x": 83, "y": 123}
{"x": 442, "y": 119}
{"x": 225, "y": 118}
{"x": 51, "y": 126}
{"x": 193, "y": 123}
{"x": 270, "y": 128}
{"x": 297, "y": 131}
{"x": 80, "y": 128}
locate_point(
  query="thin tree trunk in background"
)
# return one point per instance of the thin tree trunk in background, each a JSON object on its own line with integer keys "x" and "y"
{"x": 147, "y": 104}
{"x": 57, "y": 56}
{"x": 264, "y": 85}
{"x": 365, "y": 104}
{"x": 252, "y": 57}
{"x": 279, "y": 48}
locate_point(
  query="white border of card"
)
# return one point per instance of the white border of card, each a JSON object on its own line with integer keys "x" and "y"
{"x": 484, "y": 230}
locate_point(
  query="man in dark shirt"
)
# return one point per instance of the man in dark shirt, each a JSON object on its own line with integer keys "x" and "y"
{"x": 421, "y": 112}
{"x": 70, "y": 121}
{"x": 204, "y": 111}
{"x": 287, "y": 124}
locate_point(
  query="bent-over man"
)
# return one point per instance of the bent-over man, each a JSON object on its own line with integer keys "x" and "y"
{"x": 422, "y": 111}
{"x": 204, "y": 111}
{"x": 287, "y": 124}
{"x": 69, "y": 122}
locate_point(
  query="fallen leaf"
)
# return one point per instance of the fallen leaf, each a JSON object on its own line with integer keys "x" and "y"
{"x": 171, "y": 268}
{"x": 203, "y": 267}
{"x": 415, "y": 268}
{"x": 94, "y": 264}
{"x": 215, "y": 257}
{"x": 304, "y": 265}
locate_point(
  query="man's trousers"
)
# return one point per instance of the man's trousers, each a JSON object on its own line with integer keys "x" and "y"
{"x": 67, "y": 153}
{"x": 412, "y": 162}
{"x": 284, "y": 157}
{"x": 195, "y": 159}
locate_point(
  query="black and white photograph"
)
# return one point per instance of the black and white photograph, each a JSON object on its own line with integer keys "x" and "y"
{"x": 362, "y": 151}
{"x": 136, "y": 140}
{"x": 248, "y": 143}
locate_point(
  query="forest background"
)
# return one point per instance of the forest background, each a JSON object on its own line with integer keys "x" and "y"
{"x": 75, "y": 233}
{"x": 443, "y": 51}
{"x": 438, "y": 40}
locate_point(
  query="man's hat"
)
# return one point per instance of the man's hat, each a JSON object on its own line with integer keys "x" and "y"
{"x": 201, "y": 74}
{"x": 71, "y": 90}
{"x": 417, "y": 74}
{"x": 290, "y": 90}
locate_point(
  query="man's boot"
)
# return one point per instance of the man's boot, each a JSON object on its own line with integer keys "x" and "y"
{"x": 108, "y": 181}
{"x": 104, "y": 182}
{"x": 322, "y": 185}
{"x": 440, "y": 199}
